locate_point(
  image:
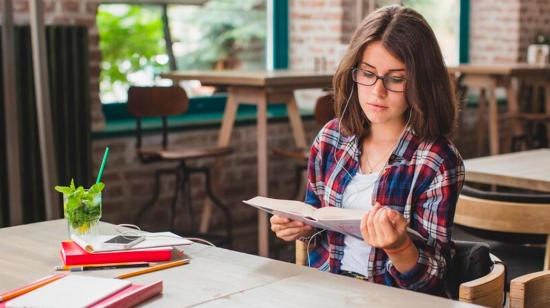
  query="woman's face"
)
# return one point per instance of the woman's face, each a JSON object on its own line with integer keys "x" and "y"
{"x": 380, "y": 105}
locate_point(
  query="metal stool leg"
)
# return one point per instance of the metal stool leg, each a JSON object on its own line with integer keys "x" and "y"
{"x": 175, "y": 199}
{"x": 186, "y": 190}
{"x": 221, "y": 206}
{"x": 216, "y": 202}
{"x": 147, "y": 206}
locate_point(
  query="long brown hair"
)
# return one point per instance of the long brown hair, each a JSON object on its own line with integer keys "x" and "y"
{"x": 429, "y": 93}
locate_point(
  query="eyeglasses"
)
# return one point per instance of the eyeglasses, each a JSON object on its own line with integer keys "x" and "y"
{"x": 368, "y": 78}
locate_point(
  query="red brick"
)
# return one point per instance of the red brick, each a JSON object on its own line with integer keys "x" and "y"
{"x": 91, "y": 8}
{"x": 21, "y": 6}
{"x": 69, "y": 6}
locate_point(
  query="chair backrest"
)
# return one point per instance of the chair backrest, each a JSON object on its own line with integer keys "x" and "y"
{"x": 324, "y": 109}
{"x": 156, "y": 102}
{"x": 503, "y": 216}
{"x": 487, "y": 290}
{"x": 531, "y": 290}
{"x": 471, "y": 261}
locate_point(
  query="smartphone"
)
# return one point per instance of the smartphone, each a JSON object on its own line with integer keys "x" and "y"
{"x": 123, "y": 241}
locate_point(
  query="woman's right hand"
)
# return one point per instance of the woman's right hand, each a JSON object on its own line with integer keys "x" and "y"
{"x": 289, "y": 230}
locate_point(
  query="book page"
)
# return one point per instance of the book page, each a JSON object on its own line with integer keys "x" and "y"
{"x": 346, "y": 221}
{"x": 70, "y": 291}
{"x": 291, "y": 209}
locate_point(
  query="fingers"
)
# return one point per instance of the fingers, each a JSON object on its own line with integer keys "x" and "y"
{"x": 371, "y": 229}
{"x": 290, "y": 233}
{"x": 363, "y": 227}
{"x": 387, "y": 227}
{"x": 287, "y": 229}
{"x": 383, "y": 227}
{"x": 278, "y": 219}
{"x": 398, "y": 221}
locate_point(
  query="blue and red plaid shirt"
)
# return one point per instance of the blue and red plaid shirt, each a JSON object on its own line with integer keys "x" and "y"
{"x": 422, "y": 180}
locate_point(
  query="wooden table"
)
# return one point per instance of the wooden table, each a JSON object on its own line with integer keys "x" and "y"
{"x": 487, "y": 78}
{"x": 526, "y": 169}
{"x": 215, "y": 277}
{"x": 260, "y": 89}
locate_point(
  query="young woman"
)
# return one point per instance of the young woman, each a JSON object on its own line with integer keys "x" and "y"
{"x": 388, "y": 153}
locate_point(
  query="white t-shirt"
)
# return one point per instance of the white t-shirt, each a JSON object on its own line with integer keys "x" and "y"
{"x": 358, "y": 195}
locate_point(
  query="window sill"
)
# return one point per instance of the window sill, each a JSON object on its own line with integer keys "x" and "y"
{"x": 204, "y": 112}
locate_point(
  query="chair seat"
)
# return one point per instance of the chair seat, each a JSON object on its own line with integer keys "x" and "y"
{"x": 185, "y": 153}
{"x": 298, "y": 154}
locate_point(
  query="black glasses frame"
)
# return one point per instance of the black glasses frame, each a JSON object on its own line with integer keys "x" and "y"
{"x": 354, "y": 73}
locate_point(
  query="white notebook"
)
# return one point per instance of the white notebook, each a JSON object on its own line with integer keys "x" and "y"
{"x": 152, "y": 240}
{"x": 70, "y": 291}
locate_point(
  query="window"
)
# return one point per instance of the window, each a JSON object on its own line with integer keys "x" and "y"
{"x": 444, "y": 18}
{"x": 219, "y": 34}
{"x": 132, "y": 48}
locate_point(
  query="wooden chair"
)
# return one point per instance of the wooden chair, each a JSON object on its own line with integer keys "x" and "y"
{"x": 324, "y": 112}
{"x": 487, "y": 290}
{"x": 163, "y": 102}
{"x": 515, "y": 218}
{"x": 534, "y": 115}
{"x": 531, "y": 290}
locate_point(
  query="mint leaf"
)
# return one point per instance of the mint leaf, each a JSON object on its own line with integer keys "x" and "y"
{"x": 64, "y": 190}
{"x": 97, "y": 188}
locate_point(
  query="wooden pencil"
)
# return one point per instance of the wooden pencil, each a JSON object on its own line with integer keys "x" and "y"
{"x": 153, "y": 268}
{"x": 35, "y": 285}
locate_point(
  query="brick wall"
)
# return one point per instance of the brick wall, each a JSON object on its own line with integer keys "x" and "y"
{"x": 534, "y": 19}
{"x": 315, "y": 32}
{"x": 73, "y": 12}
{"x": 500, "y": 31}
{"x": 494, "y": 31}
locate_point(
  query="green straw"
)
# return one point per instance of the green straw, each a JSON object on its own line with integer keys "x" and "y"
{"x": 102, "y": 165}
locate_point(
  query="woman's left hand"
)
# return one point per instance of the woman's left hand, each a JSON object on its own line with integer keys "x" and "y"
{"x": 384, "y": 228}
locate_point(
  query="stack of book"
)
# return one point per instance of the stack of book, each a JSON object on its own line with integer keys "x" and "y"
{"x": 86, "y": 291}
{"x": 79, "y": 291}
{"x": 156, "y": 247}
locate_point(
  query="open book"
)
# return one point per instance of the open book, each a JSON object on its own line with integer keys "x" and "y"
{"x": 152, "y": 240}
{"x": 346, "y": 221}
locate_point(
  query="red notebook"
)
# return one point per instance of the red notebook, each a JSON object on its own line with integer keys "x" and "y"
{"x": 127, "y": 297}
{"x": 72, "y": 254}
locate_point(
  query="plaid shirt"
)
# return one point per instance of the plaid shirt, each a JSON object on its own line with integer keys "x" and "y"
{"x": 422, "y": 180}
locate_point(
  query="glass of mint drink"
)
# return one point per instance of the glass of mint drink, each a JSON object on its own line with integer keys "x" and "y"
{"x": 82, "y": 209}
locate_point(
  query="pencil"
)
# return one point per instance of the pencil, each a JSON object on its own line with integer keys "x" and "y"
{"x": 107, "y": 267}
{"x": 153, "y": 268}
{"x": 35, "y": 285}
{"x": 87, "y": 267}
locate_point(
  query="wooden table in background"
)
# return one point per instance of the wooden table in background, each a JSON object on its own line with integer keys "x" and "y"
{"x": 526, "y": 169}
{"x": 215, "y": 277}
{"x": 487, "y": 78}
{"x": 260, "y": 89}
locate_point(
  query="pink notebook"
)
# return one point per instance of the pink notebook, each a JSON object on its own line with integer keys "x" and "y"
{"x": 128, "y": 296}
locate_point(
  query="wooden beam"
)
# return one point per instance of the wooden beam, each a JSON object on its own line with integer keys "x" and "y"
{"x": 10, "y": 116}
{"x": 43, "y": 109}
